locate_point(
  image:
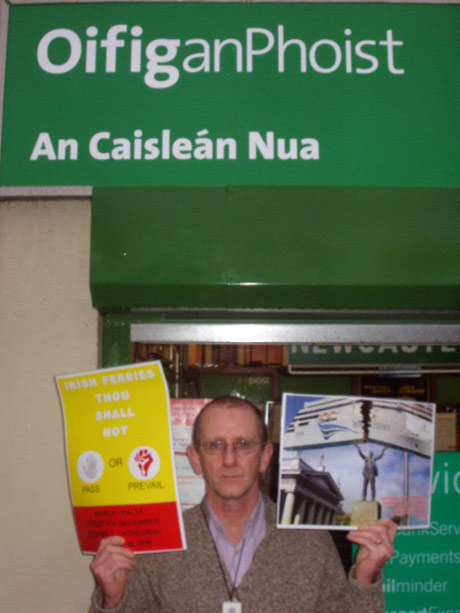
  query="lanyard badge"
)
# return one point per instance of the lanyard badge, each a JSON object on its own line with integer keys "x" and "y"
{"x": 232, "y": 606}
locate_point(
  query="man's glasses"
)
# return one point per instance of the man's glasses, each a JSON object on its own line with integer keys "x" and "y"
{"x": 241, "y": 446}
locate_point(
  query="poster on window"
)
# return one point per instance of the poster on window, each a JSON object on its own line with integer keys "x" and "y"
{"x": 347, "y": 461}
{"x": 119, "y": 453}
{"x": 184, "y": 412}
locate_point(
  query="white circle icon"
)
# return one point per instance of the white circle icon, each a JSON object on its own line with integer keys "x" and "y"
{"x": 144, "y": 463}
{"x": 90, "y": 466}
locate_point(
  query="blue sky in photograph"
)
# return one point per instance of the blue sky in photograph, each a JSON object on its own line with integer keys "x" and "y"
{"x": 293, "y": 406}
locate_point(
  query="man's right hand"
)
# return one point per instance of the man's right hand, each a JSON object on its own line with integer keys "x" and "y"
{"x": 110, "y": 567}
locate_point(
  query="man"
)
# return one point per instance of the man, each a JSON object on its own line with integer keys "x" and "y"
{"x": 237, "y": 560}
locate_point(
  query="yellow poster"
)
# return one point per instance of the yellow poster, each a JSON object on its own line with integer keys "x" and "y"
{"x": 119, "y": 457}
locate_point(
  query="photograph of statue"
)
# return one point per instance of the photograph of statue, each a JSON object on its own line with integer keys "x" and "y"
{"x": 370, "y": 470}
{"x": 348, "y": 460}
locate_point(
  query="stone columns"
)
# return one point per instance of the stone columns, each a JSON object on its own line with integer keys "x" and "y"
{"x": 298, "y": 518}
{"x": 288, "y": 508}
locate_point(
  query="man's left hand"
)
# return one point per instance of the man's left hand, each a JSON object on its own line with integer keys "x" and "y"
{"x": 375, "y": 549}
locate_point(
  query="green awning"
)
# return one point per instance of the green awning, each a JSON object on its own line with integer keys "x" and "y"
{"x": 276, "y": 248}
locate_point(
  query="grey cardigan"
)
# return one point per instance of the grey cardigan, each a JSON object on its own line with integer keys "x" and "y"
{"x": 293, "y": 571}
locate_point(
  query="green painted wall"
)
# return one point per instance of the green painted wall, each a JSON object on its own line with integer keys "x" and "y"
{"x": 448, "y": 389}
{"x": 322, "y": 384}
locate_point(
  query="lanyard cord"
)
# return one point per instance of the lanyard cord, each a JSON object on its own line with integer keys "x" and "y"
{"x": 232, "y": 590}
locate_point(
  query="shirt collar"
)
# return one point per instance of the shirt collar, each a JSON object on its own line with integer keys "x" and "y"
{"x": 256, "y": 522}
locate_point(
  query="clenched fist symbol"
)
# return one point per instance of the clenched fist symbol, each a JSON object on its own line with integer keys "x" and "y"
{"x": 144, "y": 460}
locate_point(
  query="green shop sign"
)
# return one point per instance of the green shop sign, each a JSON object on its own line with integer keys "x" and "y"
{"x": 367, "y": 355}
{"x": 231, "y": 94}
{"x": 423, "y": 575}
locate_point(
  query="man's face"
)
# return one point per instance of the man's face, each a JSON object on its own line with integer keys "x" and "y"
{"x": 230, "y": 475}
